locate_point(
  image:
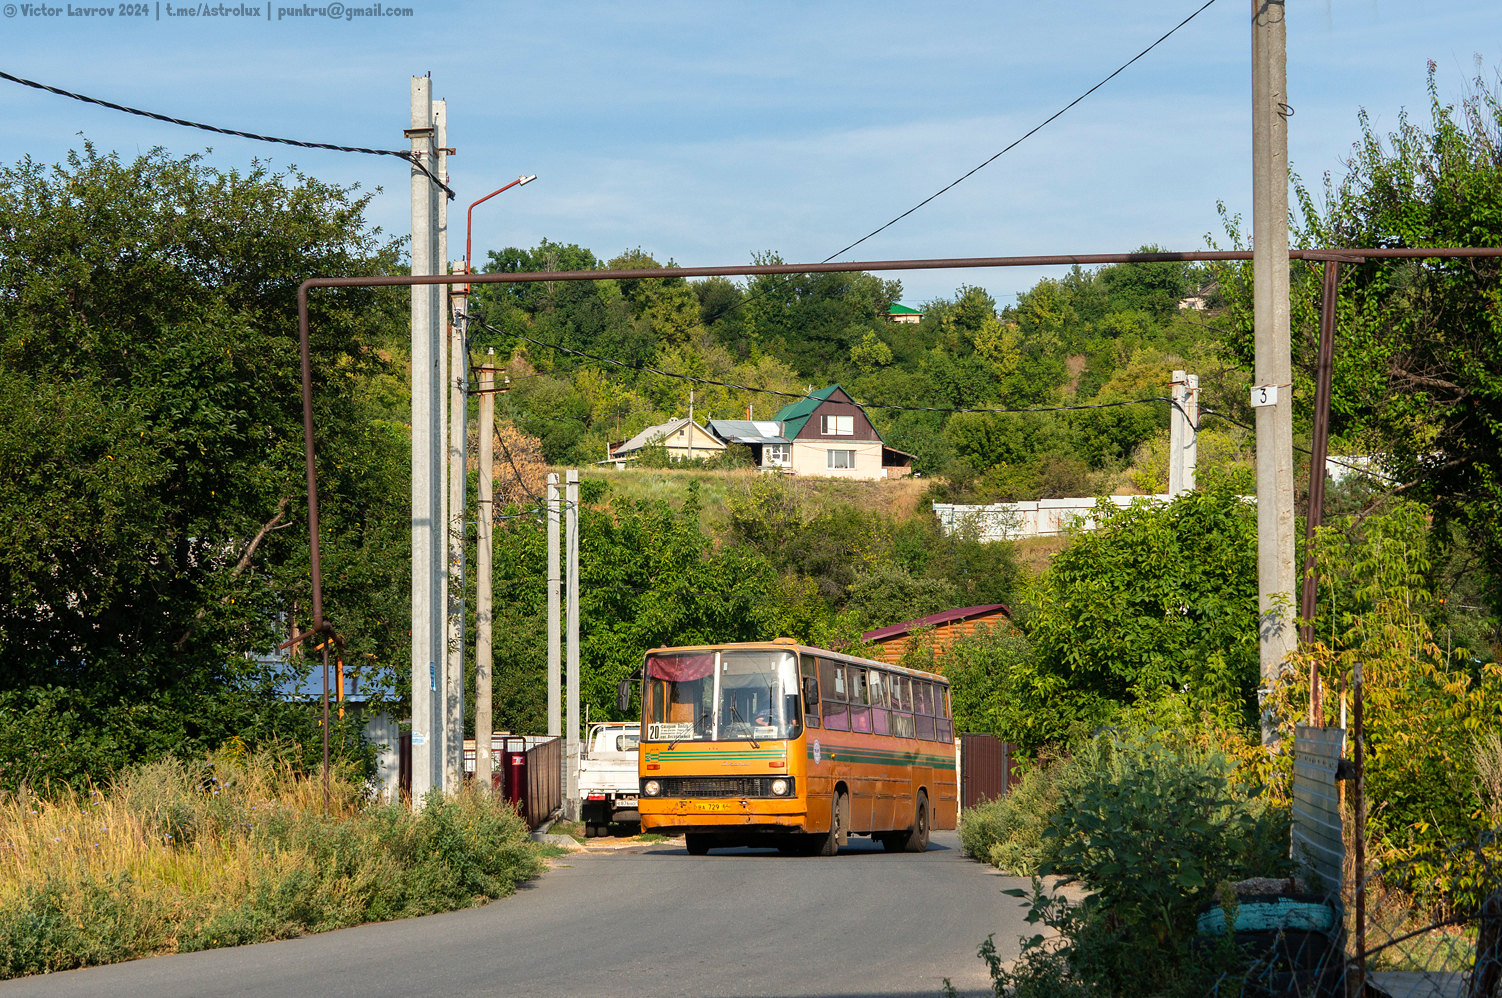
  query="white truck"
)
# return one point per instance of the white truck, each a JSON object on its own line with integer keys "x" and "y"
{"x": 608, "y": 777}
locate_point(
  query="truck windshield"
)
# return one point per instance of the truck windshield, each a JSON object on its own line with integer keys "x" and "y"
{"x": 735, "y": 695}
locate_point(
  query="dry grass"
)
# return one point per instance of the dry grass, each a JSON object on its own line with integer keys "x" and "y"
{"x": 1034, "y": 553}
{"x": 898, "y": 498}
{"x": 233, "y": 850}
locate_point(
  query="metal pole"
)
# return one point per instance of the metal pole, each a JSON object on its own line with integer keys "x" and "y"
{"x": 555, "y": 638}
{"x": 1358, "y": 814}
{"x": 571, "y": 541}
{"x": 1272, "y": 362}
{"x": 326, "y": 725}
{"x": 484, "y": 512}
{"x": 426, "y": 453}
{"x": 1318, "y": 450}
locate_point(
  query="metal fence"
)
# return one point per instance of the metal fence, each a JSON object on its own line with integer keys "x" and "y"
{"x": 1403, "y": 948}
{"x": 1360, "y": 931}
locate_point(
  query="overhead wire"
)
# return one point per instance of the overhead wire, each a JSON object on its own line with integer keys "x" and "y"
{"x": 186, "y": 123}
{"x": 1012, "y": 145}
{"x": 1027, "y": 135}
{"x": 1302, "y": 450}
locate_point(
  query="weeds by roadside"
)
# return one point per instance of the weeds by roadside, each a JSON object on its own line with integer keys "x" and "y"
{"x": 179, "y": 857}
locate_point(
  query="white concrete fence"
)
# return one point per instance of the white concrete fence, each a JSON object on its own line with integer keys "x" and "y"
{"x": 1007, "y": 521}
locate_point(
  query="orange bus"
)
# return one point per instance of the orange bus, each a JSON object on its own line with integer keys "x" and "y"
{"x": 779, "y": 744}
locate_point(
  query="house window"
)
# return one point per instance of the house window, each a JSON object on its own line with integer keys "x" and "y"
{"x": 841, "y": 458}
{"x": 779, "y": 454}
{"x": 837, "y": 426}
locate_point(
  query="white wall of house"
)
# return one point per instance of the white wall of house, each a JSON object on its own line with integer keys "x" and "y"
{"x": 703, "y": 444}
{"x": 811, "y": 457}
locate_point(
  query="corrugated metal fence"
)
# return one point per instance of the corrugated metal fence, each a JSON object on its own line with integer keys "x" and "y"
{"x": 987, "y": 768}
{"x": 1317, "y": 838}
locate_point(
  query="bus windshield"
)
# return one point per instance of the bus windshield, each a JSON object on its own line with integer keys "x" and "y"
{"x": 736, "y": 695}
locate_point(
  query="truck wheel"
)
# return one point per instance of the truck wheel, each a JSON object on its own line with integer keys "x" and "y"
{"x": 697, "y": 843}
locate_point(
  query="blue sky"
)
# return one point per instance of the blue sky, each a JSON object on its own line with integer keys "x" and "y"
{"x": 705, "y": 132}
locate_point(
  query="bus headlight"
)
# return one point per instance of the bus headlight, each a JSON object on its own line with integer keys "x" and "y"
{"x": 779, "y": 788}
{"x": 651, "y": 788}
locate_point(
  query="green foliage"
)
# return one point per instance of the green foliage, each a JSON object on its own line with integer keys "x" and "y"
{"x": 1418, "y": 355}
{"x": 1007, "y": 831}
{"x": 149, "y": 407}
{"x": 1156, "y": 599}
{"x": 1147, "y": 827}
{"x": 1426, "y": 707}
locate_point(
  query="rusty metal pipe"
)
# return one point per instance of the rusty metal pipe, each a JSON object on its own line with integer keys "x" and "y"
{"x": 1318, "y": 450}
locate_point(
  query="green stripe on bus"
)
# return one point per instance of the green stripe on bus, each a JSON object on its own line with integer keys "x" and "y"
{"x": 883, "y": 756}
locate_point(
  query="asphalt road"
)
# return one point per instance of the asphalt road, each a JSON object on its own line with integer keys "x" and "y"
{"x": 644, "y": 922}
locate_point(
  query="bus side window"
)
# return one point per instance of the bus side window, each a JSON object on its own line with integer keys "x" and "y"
{"x": 809, "y": 672}
{"x": 924, "y": 722}
{"x": 881, "y": 702}
{"x": 860, "y": 713}
{"x": 943, "y": 726}
{"x": 832, "y": 682}
{"x": 902, "y": 706}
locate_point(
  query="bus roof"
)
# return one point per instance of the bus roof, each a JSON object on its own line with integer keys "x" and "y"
{"x": 787, "y": 644}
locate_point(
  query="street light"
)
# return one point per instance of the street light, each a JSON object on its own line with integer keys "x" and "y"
{"x": 469, "y": 216}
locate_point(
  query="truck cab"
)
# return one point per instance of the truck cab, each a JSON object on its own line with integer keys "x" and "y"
{"x": 608, "y": 777}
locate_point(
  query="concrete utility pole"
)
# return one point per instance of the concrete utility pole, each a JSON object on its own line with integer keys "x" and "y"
{"x": 1273, "y": 366}
{"x": 555, "y": 609}
{"x": 571, "y": 541}
{"x": 427, "y": 465}
{"x": 1183, "y": 435}
{"x": 484, "y": 523}
{"x": 456, "y": 429}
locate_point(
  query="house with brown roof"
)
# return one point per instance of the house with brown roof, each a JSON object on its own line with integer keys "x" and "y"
{"x": 938, "y": 630}
{"x": 831, "y": 436}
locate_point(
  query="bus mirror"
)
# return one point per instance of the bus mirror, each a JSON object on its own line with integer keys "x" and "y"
{"x": 810, "y": 693}
{"x": 623, "y": 696}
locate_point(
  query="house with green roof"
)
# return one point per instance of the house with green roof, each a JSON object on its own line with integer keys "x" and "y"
{"x": 830, "y": 435}
{"x": 901, "y": 313}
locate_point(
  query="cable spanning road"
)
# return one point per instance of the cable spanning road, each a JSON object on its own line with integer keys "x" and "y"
{"x": 647, "y": 921}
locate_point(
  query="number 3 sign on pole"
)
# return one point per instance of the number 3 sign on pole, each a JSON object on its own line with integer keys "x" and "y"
{"x": 1264, "y": 395}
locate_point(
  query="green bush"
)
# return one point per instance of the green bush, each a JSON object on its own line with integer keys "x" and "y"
{"x": 1148, "y": 826}
{"x": 1007, "y": 832}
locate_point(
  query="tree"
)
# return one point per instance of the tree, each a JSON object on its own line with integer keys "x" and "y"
{"x": 1156, "y": 600}
{"x": 153, "y": 506}
{"x": 1418, "y": 358}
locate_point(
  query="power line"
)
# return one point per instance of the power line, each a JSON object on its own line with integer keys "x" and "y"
{"x": 643, "y": 368}
{"x": 85, "y": 98}
{"x": 1357, "y": 469}
{"x": 1033, "y": 131}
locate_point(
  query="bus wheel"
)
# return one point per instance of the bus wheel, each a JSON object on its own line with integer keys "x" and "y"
{"x": 839, "y": 821}
{"x": 917, "y": 839}
{"x": 697, "y": 843}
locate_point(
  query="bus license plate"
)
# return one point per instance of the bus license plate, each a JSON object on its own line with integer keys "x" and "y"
{"x": 717, "y": 806}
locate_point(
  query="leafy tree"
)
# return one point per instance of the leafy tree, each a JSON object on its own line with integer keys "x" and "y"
{"x": 150, "y": 425}
{"x": 1155, "y": 600}
{"x": 1418, "y": 359}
